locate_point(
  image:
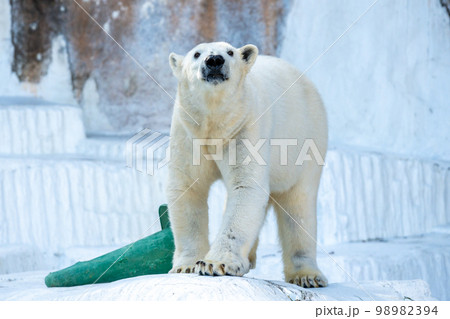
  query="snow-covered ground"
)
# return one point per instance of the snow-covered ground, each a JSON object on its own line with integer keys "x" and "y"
{"x": 424, "y": 258}
{"x": 29, "y": 286}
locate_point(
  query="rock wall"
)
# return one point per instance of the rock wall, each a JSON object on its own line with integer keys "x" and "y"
{"x": 384, "y": 82}
{"x": 116, "y": 94}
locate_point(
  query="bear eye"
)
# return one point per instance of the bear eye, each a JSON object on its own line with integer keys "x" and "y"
{"x": 230, "y": 53}
{"x": 196, "y": 55}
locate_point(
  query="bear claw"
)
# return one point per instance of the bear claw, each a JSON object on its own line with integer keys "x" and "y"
{"x": 217, "y": 269}
{"x": 182, "y": 269}
{"x": 311, "y": 280}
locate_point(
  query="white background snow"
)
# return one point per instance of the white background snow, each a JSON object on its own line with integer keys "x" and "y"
{"x": 384, "y": 202}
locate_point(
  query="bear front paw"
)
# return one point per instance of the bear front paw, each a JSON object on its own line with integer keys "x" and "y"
{"x": 213, "y": 268}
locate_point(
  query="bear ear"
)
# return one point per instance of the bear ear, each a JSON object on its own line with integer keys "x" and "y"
{"x": 249, "y": 53}
{"x": 176, "y": 62}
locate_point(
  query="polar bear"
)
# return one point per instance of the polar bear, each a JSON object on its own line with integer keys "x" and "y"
{"x": 248, "y": 106}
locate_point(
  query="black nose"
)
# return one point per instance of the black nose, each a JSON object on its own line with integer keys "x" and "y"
{"x": 214, "y": 62}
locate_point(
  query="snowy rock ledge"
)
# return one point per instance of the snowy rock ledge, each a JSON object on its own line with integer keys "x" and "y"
{"x": 30, "y": 286}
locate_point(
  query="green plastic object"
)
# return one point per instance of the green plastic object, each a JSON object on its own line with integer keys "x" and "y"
{"x": 147, "y": 256}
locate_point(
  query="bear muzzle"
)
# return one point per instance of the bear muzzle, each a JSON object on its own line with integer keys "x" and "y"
{"x": 213, "y": 72}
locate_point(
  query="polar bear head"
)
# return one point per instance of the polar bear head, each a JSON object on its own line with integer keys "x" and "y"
{"x": 213, "y": 65}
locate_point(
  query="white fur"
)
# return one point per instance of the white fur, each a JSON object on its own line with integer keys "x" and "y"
{"x": 232, "y": 110}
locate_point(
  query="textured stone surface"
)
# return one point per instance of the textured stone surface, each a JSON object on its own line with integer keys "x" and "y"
{"x": 192, "y": 287}
{"x": 91, "y": 197}
{"x": 422, "y": 257}
{"x": 367, "y": 196}
{"x": 55, "y": 204}
{"x": 425, "y": 257}
{"x": 34, "y": 127}
{"x": 32, "y": 33}
{"x": 117, "y": 95}
{"x": 385, "y": 82}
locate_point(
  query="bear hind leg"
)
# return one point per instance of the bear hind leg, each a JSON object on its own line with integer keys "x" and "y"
{"x": 296, "y": 217}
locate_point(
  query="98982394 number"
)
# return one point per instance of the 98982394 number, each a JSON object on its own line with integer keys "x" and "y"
{"x": 406, "y": 310}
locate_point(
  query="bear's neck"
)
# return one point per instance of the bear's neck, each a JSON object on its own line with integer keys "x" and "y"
{"x": 217, "y": 113}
